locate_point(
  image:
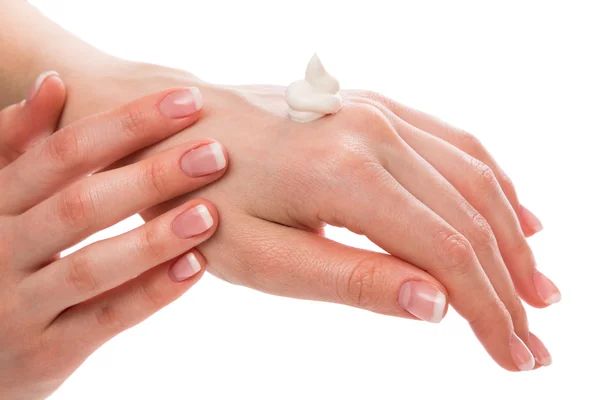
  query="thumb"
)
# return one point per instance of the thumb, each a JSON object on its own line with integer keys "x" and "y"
{"x": 24, "y": 125}
{"x": 285, "y": 261}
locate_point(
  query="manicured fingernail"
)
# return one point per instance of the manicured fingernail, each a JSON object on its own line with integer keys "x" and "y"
{"x": 38, "y": 84}
{"x": 531, "y": 220}
{"x": 520, "y": 354}
{"x": 182, "y": 103}
{"x": 184, "y": 268}
{"x": 422, "y": 300}
{"x": 193, "y": 222}
{"x": 540, "y": 352}
{"x": 203, "y": 160}
{"x": 546, "y": 289}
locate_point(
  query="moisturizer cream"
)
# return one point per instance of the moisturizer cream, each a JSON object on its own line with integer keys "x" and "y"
{"x": 314, "y": 96}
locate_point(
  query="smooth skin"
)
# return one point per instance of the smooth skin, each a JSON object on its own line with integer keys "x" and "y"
{"x": 56, "y": 311}
{"x": 427, "y": 193}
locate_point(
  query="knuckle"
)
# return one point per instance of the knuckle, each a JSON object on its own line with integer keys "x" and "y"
{"x": 75, "y": 209}
{"x": 453, "y": 250}
{"x": 64, "y": 147}
{"x": 155, "y": 177}
{"x": 359, "y": 168}
{"x": 367, "y": 119}
{"x": 485, "y": 179}
{"x": 371, "y": 97}
{"x": 347, "y": 157}
{"x": 363, "y": 284}
{"x": 489, "y": 317}
{"x": 151, "y": 243}
{"x": 108, "y": 317}
{"x": 521, "y": 249}
{"x": 467, "y": 142}
{"x": 81, "y": 274}
{"x": 352, "y": 161}
{"x": 133, "y": 122}
{"x": 481, "y": 232}
{"x": 153, "y": 299}
{"x": 507, "y": 184}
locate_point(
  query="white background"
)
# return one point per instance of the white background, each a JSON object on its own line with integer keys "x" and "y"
{"x": 523, "y": 76}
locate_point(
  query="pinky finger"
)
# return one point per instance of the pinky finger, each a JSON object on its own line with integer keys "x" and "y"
{"x": 466, "y": 142}
{"x": 103, "y": 317}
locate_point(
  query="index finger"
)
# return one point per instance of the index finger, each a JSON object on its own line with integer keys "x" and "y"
{"x": 93, "y": 143}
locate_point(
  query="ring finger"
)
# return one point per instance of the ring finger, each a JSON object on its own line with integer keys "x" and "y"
{"x": 107, "y": 264}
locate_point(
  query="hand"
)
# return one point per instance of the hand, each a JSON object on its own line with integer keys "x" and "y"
{"x": 56, "y": 311}
{"x": 428, "y": 194}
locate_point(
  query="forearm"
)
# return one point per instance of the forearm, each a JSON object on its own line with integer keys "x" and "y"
{"x": 30, "y": 44}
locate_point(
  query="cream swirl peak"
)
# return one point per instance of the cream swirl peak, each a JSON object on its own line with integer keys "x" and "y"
{"x": 314, "y": 96}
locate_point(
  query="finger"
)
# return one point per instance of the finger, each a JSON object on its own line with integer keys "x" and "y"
{"x": 289, "y": 262}
{"x": 93, "y": 143}
{"x": 431, "y": 188}
{"x": 477, "y": 183}
{"x": 470, "y": 145}
{"x": 425, "y": 240}
{"x": 25, "y": 124}
{"x": 541, "y": 353}
{"x": 116, "y": 310}
{"x": 107, "y": 264}
{"x": 103, "y": 199}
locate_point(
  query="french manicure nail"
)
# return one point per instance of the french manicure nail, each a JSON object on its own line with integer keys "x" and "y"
{"x": 521, "y": 355}
{"x": 546, "y": 289}
{"x": 531, "y": 220}
{"x": 184, "y": 268}
{"x": 181, "y": 103}
{"x": 540, "y": 352}
{"x": 38, "y": 83}
{"x": 192, "y": 222}
{"x": 203, "y": 160}
{"x": 422, "y": 300}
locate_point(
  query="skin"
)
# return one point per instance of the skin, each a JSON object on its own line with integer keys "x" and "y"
{"x": 56, "y": 311}
{"x": 427, "y": 193}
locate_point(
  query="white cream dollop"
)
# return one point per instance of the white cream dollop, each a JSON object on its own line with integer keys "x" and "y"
{"x": 314, "y": 96}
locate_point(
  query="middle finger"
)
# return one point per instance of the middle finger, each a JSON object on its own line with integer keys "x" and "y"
{"x": 104, "y": 199}
{"x": 477, "y": 183}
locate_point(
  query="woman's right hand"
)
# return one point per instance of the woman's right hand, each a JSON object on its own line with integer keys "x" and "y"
{"x": 56, "y": 311}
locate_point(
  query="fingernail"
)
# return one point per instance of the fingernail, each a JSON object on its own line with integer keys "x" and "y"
{"x": 422, "y": 300}
{"x": 193, "y": 222}
{"x": 540, "y": 352}
{"x": 203, "y": 160}
{"x": 38, "y": 84}
{"x": 184, "y": 268}
{"x": 520, "y": 354}
{"x": 181, "y": 103}
{"x": 546, "y": 289}
{"x": 531, "y": 220}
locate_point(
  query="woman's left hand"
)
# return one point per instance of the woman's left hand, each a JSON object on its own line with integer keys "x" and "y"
{"x": 56, "y": 311}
